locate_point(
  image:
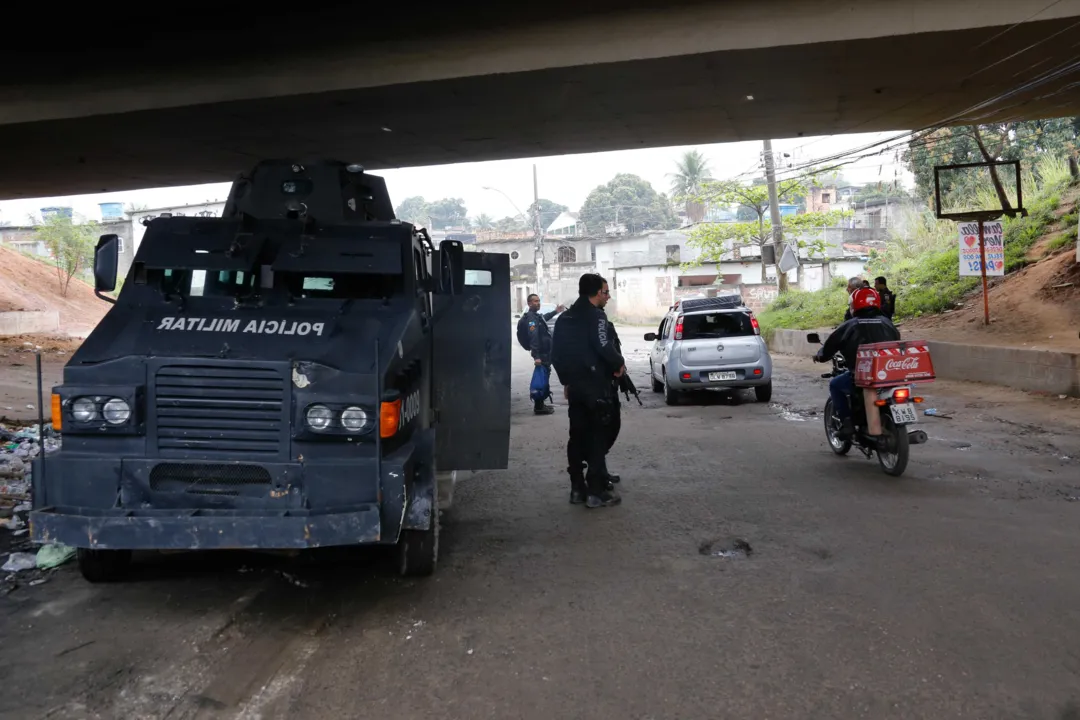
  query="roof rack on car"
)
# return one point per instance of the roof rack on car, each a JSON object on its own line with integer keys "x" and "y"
{"x": 723, "y": 302}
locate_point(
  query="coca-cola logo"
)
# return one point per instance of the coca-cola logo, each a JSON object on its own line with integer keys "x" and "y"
{"x": 908, "y": 363}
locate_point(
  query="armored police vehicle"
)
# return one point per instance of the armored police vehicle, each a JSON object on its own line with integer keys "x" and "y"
{"x": 301, "y": 372}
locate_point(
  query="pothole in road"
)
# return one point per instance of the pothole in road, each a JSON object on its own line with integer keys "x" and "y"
{"x": 733, "y": 548}
{"x": 793, "y": 414}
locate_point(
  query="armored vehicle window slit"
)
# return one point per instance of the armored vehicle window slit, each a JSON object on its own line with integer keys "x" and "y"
{"x": 340, "y": 286}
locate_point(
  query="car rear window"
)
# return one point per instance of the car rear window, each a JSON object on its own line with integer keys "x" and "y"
{"x": 717, "y": 325}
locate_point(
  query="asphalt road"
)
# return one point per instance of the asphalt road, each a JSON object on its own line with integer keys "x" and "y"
{"x": 952, "y": 592}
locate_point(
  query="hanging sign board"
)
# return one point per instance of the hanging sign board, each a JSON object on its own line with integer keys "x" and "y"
{"x": 970, "y": 257}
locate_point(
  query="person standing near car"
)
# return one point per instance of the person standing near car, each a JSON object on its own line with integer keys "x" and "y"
{"x": 586, "y": 360}
{"x": 534, "y": 335}
{"x": 853, "y": 284}
{"x": 888, "y": 297}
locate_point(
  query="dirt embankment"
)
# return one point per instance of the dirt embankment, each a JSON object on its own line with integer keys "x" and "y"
{"x": 29, "y": 284}
{"x": 1037, "y": 307}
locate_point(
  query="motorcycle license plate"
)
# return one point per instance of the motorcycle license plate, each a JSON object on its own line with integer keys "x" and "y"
{"x": 904, "y": 414}
{"x": 716, "y": 376}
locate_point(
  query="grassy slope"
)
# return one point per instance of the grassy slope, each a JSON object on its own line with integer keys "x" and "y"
{"x": 928, "y": 283}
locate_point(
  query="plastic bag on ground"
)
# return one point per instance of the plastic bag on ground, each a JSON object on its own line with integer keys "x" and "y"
{"x": 54, "y": 555}
{"x": 20, "y": 561}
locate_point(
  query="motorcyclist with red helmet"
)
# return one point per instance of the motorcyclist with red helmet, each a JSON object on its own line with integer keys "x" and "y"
{"x": 866, "y": 326}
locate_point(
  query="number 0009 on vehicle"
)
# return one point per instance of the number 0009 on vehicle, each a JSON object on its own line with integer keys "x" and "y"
{"x": 722, "y": 376}
{"x": 903, "y": 414}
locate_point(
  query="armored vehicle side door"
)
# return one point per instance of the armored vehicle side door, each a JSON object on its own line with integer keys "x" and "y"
{"x": 471, "y": 371}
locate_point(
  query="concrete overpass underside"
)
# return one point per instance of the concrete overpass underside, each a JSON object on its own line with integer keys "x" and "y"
{"x": 616, "y": 79}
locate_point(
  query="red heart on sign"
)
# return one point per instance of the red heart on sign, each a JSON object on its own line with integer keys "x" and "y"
{"x": 970, "y": 240}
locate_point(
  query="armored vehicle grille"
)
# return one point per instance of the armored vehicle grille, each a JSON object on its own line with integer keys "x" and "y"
{"x": 206, "y": 478}
{"x": 218, "y": 410}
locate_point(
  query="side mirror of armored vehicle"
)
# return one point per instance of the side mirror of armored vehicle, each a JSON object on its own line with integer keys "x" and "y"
{"x": 813, "y": 338}
{"x": 650, "y": 337}
{"x": 451, "y": 267}
{"x": 106, "y": 262}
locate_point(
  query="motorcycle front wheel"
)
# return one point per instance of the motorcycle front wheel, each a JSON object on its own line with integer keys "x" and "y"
{"x": 894, "y": 459}
{"x": 832, "y": 427}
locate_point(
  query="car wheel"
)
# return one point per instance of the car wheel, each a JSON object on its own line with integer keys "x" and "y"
{"x": 657, "y": 386}
{"x": 764, "y": 392}
{"x": 671, "y": 397}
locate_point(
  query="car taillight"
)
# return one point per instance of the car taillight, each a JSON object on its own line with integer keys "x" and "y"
{"x": 754, "y": 322}
{"x": 901, "y": 394}
{"x": 678, "y": 328}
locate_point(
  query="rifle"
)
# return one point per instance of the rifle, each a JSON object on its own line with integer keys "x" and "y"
{"x": 627, "y": 388}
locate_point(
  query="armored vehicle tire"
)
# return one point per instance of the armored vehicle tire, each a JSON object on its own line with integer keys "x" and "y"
{"x": 764, "y": 392}
{"x": 657, "y": 386}
{"x": 418, "y": 550}
{"x": 103, "y": 565}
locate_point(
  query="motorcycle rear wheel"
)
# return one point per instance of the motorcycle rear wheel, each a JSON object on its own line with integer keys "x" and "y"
{"x": 894, "y": 461}
{"x": 832, "y": 427}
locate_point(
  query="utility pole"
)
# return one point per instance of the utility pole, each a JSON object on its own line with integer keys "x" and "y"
{"x": 774, "y": 214}
{"x": 538, "y": 234}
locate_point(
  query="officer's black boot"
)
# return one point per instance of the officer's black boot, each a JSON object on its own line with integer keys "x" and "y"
{"x": 605, "y": 499}
{"x": 577, "y": 486}
{"x": 612, "y": 478}
{"x": 539, "y": 408}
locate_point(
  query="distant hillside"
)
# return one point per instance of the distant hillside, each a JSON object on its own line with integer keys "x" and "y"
{"x": 29, "y": 284}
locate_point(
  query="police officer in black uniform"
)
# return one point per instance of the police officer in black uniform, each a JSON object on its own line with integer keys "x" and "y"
{"x": 615, "y": 418}
{"x": 586, "y": 361}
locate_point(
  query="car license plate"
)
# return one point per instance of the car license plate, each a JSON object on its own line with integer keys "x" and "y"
{"x": 904, "y": 414}
{"x": 714, "y": 377}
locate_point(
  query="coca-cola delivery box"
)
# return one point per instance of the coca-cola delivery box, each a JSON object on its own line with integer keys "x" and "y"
{"x": 893, "y": 363}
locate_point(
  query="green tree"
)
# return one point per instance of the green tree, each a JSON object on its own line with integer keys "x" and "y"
{"x": 511, "y": 225}
{"x": 1025, "y": 141}
{"x": 687, "y": 182}
{"x": 548, "y": 211}
{"x": 714, "y": 240}
{"x": 483, "y": 221}
{"x": 753, "y": 229}
{"x": 627, "y": 200}
{"x": 71, "y": 246}
{"x": 413, "y": 210}
{"x": 447, "y": 212}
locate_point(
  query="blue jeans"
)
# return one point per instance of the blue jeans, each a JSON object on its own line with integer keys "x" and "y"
{"x": 840, "y": 387}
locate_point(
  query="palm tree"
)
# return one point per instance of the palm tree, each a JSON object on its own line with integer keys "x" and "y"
{"x": 692, "y": 170}
{"x": 484, "y": 222}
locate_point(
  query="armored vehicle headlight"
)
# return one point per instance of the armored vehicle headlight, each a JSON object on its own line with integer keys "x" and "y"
{"x": 354, "y": 418}
{"x": 319, "y": 417}
{"x": 84, "y": 409}
{"x": 116, "y": 412}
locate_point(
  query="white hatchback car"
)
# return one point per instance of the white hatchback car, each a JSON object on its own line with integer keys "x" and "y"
{"x": 707, "y": 344}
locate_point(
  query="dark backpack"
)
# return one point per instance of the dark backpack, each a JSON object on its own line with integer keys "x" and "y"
{"x": 523, "y": 333}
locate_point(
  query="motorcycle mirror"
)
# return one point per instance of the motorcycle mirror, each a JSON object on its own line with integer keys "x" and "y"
{"x": 813, "y": 338}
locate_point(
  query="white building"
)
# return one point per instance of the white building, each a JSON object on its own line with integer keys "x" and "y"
{"x": 566, "y": 225}
{"x": 207, "y": 209}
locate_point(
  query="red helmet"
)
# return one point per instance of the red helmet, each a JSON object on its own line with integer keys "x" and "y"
{"x": 865, "y": 298}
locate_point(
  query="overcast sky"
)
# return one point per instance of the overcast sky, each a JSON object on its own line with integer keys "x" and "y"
{"x": 565, "y": 179}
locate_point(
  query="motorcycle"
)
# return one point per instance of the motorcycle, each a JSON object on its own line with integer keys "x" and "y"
{"x": 895, "y": 405}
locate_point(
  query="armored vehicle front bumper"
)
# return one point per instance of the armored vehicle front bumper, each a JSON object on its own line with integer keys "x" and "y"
{"x": 149, "y": 504}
